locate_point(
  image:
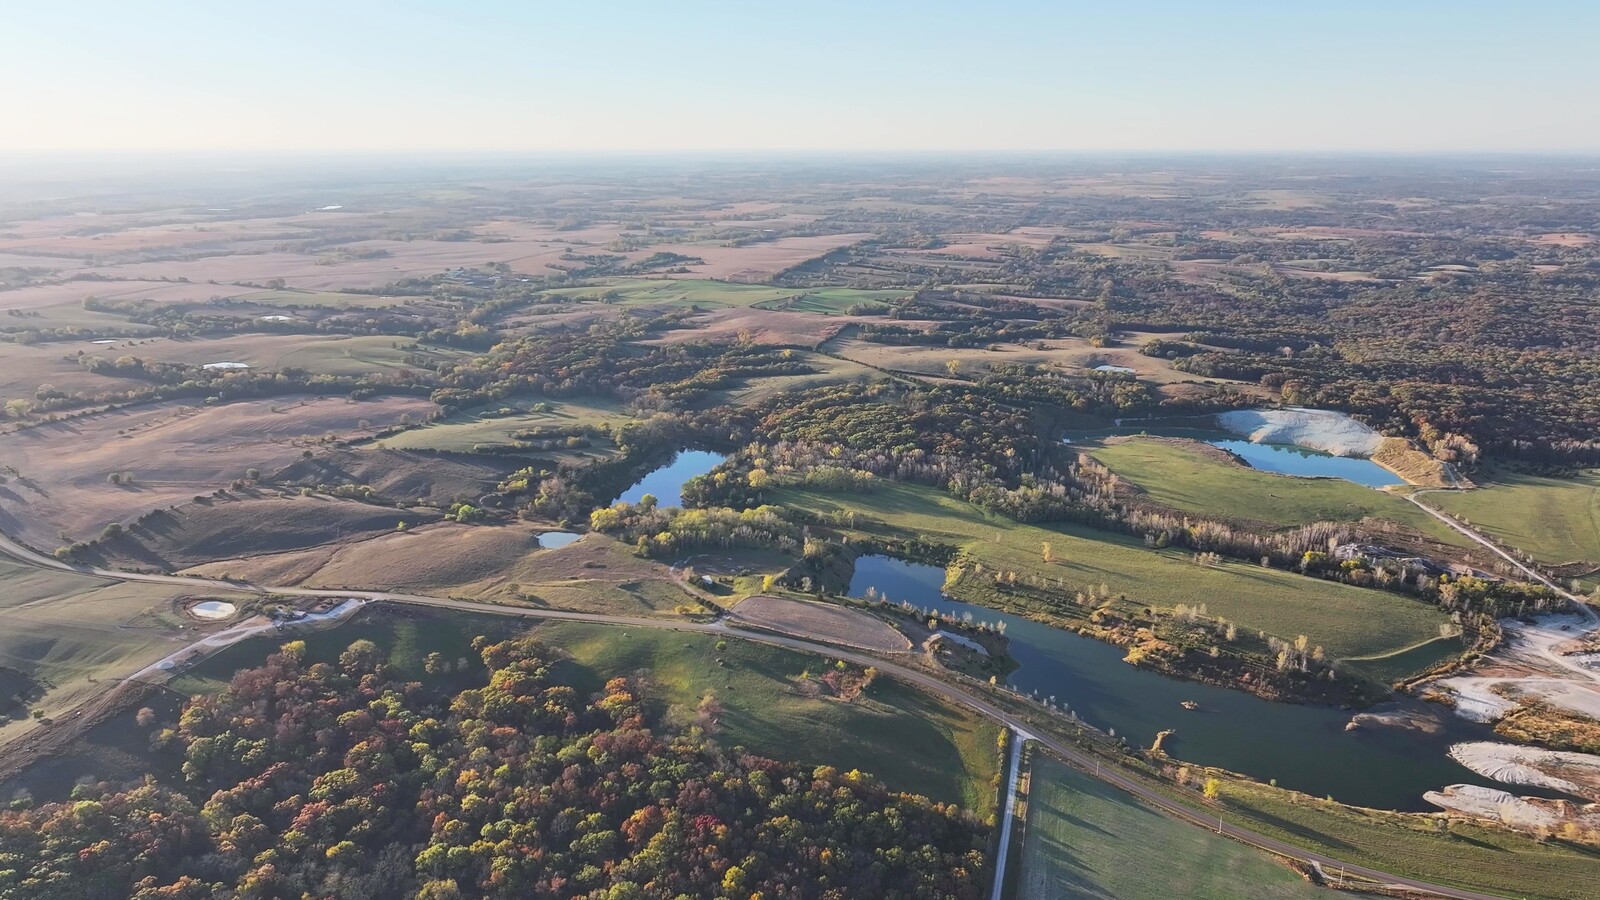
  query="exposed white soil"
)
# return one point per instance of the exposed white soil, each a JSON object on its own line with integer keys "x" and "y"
{"x": 1531, "y": 664}
{"x": 1561, "y": 770}
{"x": 213, "y": 609}
{"x": 1424, "y": 720}
{"x": 1510, "y": 809}
{"x": 1316, "y": 429}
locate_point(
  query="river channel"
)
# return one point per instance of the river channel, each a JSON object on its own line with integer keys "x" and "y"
{"x": 1305, "y": 748}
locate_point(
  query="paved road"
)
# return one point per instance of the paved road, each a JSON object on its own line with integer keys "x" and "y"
{"x": 972, "y": 700}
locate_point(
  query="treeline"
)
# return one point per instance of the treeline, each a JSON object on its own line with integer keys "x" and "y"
{"x": 608, "y": 360}
{"x": 343, "y": 781}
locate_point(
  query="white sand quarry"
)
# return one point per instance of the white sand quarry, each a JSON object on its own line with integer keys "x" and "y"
{"x": 1316, "y": 429}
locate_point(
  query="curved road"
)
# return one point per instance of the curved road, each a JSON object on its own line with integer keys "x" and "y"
{"x": 979, "y": 704}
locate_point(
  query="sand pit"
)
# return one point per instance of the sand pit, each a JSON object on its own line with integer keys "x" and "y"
{"x": 1316, "y": 429}
{"x": 1572, "y": 773}
{"x": 1499, "y": 806}
{"x": 1531, "y": 664}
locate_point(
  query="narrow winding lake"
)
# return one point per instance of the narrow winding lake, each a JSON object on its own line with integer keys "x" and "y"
{"x": 666, "y": 483}
{"x": 1304, "y": 747}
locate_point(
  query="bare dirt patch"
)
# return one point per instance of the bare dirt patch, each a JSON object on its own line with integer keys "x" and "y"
{"x": 196, "y": 533}
{"x": 436, "y": 478}
{"x": 820, "y": 620}
{"x": 1566, "y": 239}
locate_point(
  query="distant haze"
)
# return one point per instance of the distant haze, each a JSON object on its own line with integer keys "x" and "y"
{"x": 631, "y": 76}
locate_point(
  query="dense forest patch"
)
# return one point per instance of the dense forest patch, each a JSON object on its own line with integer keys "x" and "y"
{"x": 339, "y": 780}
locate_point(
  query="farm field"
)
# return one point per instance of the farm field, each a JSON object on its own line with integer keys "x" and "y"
{"x": 467, "y": 429}
{"x": 291, "y": 298}
{"x": 1188, "y": 478}
{"x": 1068, "y": 354}
{"x": 172, "y": 451}
{"x": 1345, "y": 620}
{"x": 1085, "y": 839}
{"x": 830, "y": 370}
{"x": 1557, "y": 520}
{"x": 712, "y": 294}
{"x": 318, "y": 354}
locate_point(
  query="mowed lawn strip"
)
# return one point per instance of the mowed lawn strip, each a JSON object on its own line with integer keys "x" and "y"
{"x": 1085, "y": 838}
{"x": 1344, "y": 620}
{"x": 1189, "y": 480}
{"x": 909, "y": 740}
{"x": 1555, "y": 519}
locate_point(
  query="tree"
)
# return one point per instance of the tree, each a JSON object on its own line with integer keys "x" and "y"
{"x": 1044, "y": 552}
{"x": 1213, "y": 788}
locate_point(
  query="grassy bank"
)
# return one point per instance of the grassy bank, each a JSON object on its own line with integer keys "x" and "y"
{"x": 1188, "y": 479}
{"x": 1084, "y": 838}
{"x": 1347, "y": 621}
{"x": 1428, "y": 847}
{"x": 1432, "y": 848}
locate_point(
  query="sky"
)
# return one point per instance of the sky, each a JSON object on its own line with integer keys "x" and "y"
{"x": 642, "y": 76}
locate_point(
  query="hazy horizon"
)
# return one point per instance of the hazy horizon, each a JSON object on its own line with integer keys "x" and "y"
{"x": 1013, "y": 77}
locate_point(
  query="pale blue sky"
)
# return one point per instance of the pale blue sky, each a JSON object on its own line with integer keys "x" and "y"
{"x": 362, "y": 75}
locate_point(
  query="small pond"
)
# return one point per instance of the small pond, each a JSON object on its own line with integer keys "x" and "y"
{"x": 1287, "y": 459}
{"x": 555, "y": 540}
{"x": 1304, "y": 747}
{"x": 213, "y": 609}
{"x": 666, "y": 483}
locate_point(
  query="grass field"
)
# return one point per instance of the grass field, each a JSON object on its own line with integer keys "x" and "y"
{"x": 1345, "y": 620}
{"x": 1187, "y": 479}
{"x": 464, "y": 430}
{"x": 910, "y": 740}
{"x": 360, "y": 355}
{"x": 1084, "y": 838}
{"x": 1555, "y": 519}
{"x": 832, "y": 301}
{"x": 830, "y": 370}
{"x": 70, "y": 633}
{"x": 1419, "y": 846}
{"x": 1391, "y": 667}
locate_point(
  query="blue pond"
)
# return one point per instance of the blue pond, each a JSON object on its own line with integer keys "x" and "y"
{"x": 1304, "y": 747}
{"x": 666, "y": 483}
{"x": 1288, "y": 459}
{"x": 555, "y": 540}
